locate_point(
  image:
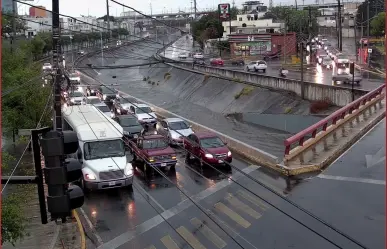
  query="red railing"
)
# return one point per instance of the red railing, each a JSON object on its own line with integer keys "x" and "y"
{"x": 331, "y": 119}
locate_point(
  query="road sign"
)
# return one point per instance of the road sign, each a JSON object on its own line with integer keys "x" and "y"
{"x": 224, "y": 10}
{"x": 370, "y": 50}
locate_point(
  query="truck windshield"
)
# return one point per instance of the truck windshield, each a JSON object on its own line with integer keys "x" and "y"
{"x": 178, "y": 126}
{"x": 104, "y": 149}
{"x": 154, "y": 144}
{"x": 143, "y": 110}
{"x": 211, "y": 142}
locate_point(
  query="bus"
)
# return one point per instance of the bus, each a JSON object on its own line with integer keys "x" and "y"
{"x": 101, "y": 148}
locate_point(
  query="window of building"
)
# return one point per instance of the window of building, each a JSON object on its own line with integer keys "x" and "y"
{"x": 244, "y": 25}
{"x": 240, "y": 19}
{"x": 255, "y": 17}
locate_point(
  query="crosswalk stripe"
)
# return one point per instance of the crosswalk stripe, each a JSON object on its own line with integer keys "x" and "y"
{"x": 208, "y": 233}
{"x": 151, "y": 247}
{"x": 232, "y": 214}
{"x": 169, "y": 242}
{"x": 190, "y": 238}
{"x": 235, "y": 202}
{"x": 253, "y": 199}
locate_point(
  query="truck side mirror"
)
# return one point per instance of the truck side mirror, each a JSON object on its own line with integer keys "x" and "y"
{"x": 79, "y": 155}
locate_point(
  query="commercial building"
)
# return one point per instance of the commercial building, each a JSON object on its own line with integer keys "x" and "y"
{"x": 260, "y": 44}
{"x": 37, "y": 25}
{"x": 39, "y": 11}
{"x": 251, "y": 24}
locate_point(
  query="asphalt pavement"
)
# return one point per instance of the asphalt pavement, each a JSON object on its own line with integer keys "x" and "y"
{"x": 223, "y": 214}
{"x": 315, "y": 74}
{"x": 350, "y": 194}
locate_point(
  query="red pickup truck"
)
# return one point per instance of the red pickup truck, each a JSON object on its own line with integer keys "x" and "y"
{"x": 209, "y": 148}
{"x": 153, "y": 151}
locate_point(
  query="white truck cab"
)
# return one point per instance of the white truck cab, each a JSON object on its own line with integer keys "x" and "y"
{"x": 101, "y": 148}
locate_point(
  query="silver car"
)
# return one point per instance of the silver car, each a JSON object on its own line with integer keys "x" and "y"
{"x": 347, "y": 78}
{"x": 174, "y": 129}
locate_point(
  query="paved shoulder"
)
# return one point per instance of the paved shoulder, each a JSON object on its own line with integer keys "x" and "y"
{"x": 350, "y": 194}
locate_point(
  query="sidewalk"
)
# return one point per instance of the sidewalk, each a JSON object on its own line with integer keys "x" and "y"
{"x": 38, "y": 236}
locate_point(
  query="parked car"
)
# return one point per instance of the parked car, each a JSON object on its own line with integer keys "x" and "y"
{"x": 47, "y": 66}
{"x": 209, "y": 148}
{"x": 153, "y": 151}
{"x": 174, "y": 129}
{"x": 238, "y": 62}
{"x": 183, "y": 56}
{"x": 257, "y": 66}
{"x": 198, "y": 56}
{"x": 216, "y": 62}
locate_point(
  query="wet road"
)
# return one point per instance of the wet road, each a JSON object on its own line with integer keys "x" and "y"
{"x": 227, "y": 215}
{"x": 315, "y": 74}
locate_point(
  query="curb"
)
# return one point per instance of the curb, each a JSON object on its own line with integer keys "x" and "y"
{"x": 80, "y": 228}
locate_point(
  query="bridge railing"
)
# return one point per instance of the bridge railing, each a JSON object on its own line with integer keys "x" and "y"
{"x": 302, "y": 140}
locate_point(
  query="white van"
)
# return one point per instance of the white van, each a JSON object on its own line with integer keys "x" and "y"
{"x": 101, "y": 148}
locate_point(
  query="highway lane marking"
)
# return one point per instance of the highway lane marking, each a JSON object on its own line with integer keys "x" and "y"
{"x": 150, "y": 197}
{"x": 183, "y": 205}
{"x": 232, "y": 214}
{"x": 208, "y": 233}
{"x": 235, "y": 202}
{"x": 352, "y": 179}
{"x": 252, "y": 199}
{"x": 151, "y": 247}
{"x": 190, "y": 238}
{"x": 169, "y": 242}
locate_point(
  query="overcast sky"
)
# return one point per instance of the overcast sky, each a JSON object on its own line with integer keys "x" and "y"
{"x": 98, "y": 7}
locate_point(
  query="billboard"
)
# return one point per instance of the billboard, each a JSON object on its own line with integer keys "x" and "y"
{"x": 224, "y": 11}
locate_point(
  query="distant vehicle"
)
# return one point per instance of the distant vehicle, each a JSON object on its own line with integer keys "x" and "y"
{"x": 237, "y": 62}
{"x": 102, "y": 107}
{"x": 198, "y": 56}
{"x": 106, "y": 94}
{"x": 143, "y": 113}
{"x": 272, "y": 55}
{"x": 174, "y": 129}
{"x": 257, "y": 66}
{"x": 119, "y": 43}
{"x": 323, "y": 41}
{"x": 47, "y": 66}
{"x": 183, "y": 55}
{"x": 153, "y": 151}
{"x": 74, "y": 77}
{"x": 76, "y": 98}
{"x": 93, "y": 100}
{"x": 321, "y": 57}
{"x": 101, "y": 149}
{"x": 91, "y": 90}
{"x": 209, "y": 148}
{"x": 81, "y": 52}
{"x": 341, "y": 58}
{"x": 327, "y": 45}
{"x": 342, "y": 67}
{"x": 199, "y": 61}
{"x": 105, "y": 46}
{"x": 216, "y": 62}
{"x": 346, "y": 78}
{"x": 327, "y": 62}
{"x": 121, "y": 106}
{"x": 130, "y": 124}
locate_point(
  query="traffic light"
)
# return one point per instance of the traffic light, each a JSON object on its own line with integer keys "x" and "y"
{"x": 59, "y": 171}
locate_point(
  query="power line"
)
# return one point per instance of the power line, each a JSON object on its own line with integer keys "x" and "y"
{"x": 277, "y": 194}
{"x": 25, "y": 150}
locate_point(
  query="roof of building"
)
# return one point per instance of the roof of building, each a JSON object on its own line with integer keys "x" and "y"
{"x": 90, "y": 124}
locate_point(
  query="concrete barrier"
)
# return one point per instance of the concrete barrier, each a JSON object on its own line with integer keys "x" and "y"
{"x": 253, "y": 154}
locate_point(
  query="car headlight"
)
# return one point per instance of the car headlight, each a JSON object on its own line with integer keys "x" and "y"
{"x": 90, "y": 176}
{"x": 92, "y": 91}
{"x": 209, "y": 156}
{"x": 72, "y": 100}
{"x": 104, "y": 96}
{"x": 229, "y": 153}
{"x": 126, "y": 133}
{"x": 151, "y": 159}
{"x": 128, "y": 170}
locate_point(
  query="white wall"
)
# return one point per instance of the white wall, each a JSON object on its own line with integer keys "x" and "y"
{"x": 260, "y": 24}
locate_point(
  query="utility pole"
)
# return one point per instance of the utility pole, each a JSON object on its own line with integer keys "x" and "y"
{"x": 368, "y": 20}
{"x": 57, "y": 58}
{"x": 108, "y": 19}
{"x": 284, "y": 43}
{"x": 340, "y": 27}
{"x": 356, "y": 48}
{"x": 302, "y": 71}
{"x": 195, "y": 10}
{"x": 310, "y": 24}
{"x": 101, "y": 49}
{"x": 14, "y": 13}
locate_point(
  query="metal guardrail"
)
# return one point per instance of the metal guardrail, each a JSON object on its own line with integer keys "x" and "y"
{"x": 330, "y": 120}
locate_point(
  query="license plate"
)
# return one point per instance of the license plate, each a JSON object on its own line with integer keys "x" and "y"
{"x": 112, "y": 183}
{"x": 220, "y": 161}
{"x": 163, "y": 164}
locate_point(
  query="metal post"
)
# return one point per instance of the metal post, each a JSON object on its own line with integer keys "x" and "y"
{"x": 340, "y": 27}
{"x": 39, "y": 174}
{"x": 57, "y": 58}
{"x": 284, "y": 43}
{"x": 368, "y": 20}
{"x": 353, "y": 82}
{"x": 195, "y": 10}
{"x": 101, "y": 49}
{"x": 356, "y": 47}
{"x": 72, "y": 50}
{"x": 108, "y": 19}
{"x": 302, "y": 71}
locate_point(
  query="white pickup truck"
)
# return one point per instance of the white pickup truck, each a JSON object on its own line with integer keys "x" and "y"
{"x": 257, "y": 66}
{"x": 198, "y": 56}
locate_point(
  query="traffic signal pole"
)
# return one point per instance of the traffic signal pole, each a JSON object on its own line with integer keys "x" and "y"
{"x": 57, "y": 57}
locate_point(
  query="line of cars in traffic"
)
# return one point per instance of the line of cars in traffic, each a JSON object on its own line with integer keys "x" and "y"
{"x": 151, "y": 141}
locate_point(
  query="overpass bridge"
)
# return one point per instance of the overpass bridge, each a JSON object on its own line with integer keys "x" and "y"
{"x": 180, "y": 14}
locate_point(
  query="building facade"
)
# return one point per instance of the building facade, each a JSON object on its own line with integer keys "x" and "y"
{"x": 39, "y": 11}
{"x": 37, "y": 25}
{"x": 260, "y": 44}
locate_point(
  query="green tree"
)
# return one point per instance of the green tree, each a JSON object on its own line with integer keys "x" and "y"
{"x": 378, "y": 24}
{"x": 47, "y": 39}
{"x": 37, "y": 46}
{"x": 6, "y": 23}
{"x": 375, "y": 7}
{"x": 207, "y": 27}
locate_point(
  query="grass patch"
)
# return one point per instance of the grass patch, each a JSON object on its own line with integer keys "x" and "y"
{"x": 167, "y": 76}
{"x": 206, "y": 77}
{"x": 288, "y": 110}
{"x": 245, "y": 91}
{"x": 320, "y": 105}
{"x": 237, "y": 80}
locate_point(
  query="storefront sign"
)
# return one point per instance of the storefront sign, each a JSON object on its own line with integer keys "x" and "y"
{"x": 252, "y": 48}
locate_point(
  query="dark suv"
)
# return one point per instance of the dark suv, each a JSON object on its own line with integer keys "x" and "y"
{"x": 106, "y": 94}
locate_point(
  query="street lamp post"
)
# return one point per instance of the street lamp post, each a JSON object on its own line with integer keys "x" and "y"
{"x": 101, "y": 49}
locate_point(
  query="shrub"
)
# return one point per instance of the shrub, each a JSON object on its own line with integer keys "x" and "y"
{"x": 320, "y": 105}
{"x": 167, "y": 76}
{"x": 245, "y": 91}
{"x": 288, "y": 110}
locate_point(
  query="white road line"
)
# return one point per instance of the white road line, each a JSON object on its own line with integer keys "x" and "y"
{"x": 183, "y": 205}
{"x": 352, "y": 179}
{"x": 99, "y": 239}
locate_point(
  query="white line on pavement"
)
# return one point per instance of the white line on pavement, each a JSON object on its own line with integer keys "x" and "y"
{"x": 352, "y": 179}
